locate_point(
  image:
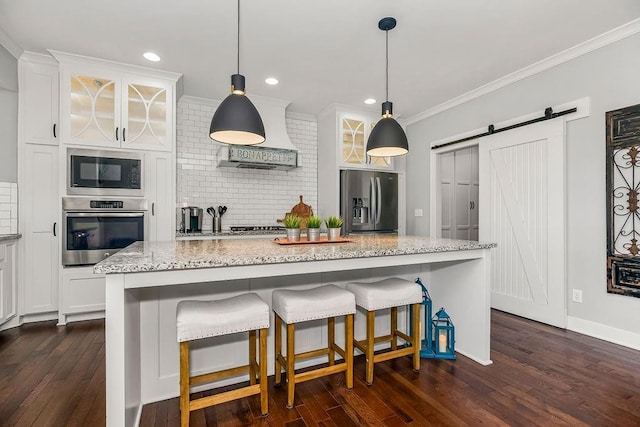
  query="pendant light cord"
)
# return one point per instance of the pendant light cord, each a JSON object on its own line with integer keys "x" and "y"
{"x": 238, "y": 58}
{"x": 387, "y": 75}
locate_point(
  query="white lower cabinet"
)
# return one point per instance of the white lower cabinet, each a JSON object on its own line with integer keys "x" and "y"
{"x": 81, "y": 292}
{"x": 7, "y": 281}
{"x": 39, "y": 213}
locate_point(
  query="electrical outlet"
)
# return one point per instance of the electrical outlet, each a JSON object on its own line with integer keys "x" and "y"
{"x": 417, "y": 212}
{"x": 577, "y": 296}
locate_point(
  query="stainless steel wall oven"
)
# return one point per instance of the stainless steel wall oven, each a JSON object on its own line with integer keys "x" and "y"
{"x": 93, "y": 229}
{"x": 104, "y": 173}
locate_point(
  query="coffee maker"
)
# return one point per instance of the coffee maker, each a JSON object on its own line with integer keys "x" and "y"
{"x": 191, "y": 220}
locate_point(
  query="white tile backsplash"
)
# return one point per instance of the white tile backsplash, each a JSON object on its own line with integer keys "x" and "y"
{"x": 253, "y": 197}
{"x": 8, "y": 208}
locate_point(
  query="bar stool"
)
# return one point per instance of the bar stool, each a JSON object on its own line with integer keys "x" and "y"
{"x": 388, "y": 293}
{"x": 295, "y": 306}
{"x": 203, "y": 319}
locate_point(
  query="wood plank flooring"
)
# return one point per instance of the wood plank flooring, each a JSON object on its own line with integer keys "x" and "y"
{"x": 541, "y": 376}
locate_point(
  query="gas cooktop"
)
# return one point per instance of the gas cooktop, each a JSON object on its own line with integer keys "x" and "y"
{"x": 257, "y": 228}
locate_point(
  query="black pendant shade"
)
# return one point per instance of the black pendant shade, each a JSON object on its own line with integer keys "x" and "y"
{"x": 237, "y": 121}
{"x": 387, "y": 138}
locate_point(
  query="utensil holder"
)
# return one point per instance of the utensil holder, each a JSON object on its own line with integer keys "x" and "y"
{"x": 217, "y": 224}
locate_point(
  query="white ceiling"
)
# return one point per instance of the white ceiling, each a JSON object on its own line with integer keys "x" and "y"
{"x": 321, "y": 51}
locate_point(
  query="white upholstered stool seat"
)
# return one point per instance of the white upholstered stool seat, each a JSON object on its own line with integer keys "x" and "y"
{"x": 388, "y": 293}
{"x": 294, "y": 306}
{"x": 205, "y": 319}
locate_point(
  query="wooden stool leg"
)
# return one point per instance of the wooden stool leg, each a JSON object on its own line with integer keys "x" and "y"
{"x": 252, "y": 357}
{"x": 348, "y": 350}
{"x": 394, "y": 328}
{"x": 416, "y": 337}
{"x": 184, "y": 384}
{"x": 278, "y": 351}
{"x": 331, "y": 339}
{"x": 371, "y": 315}
{"x": 291, "y": 359}
{"x": 264, "y": 396}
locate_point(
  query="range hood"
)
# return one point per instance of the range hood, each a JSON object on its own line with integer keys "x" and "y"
{"x": 277, "y": 152}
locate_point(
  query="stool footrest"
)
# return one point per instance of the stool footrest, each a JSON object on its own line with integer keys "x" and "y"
{"x": 388, "y": 355}
{"x": 404, "y": 336}
{"x": 312, "y": 353}
{"x": 226, "y": 396}
{"x": 319, "y": 372}
{"x": 207, "y": 378}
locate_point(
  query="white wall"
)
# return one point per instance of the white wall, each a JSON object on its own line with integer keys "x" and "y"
{"x": 8, "y": 116}
{"x": 253, "y": 197}
{"x": 610, "y": 77}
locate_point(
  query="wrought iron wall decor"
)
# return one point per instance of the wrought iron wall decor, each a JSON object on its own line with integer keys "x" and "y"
{"x": 623, "y": 209}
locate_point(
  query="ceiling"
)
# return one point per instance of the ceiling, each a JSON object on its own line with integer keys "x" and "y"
{"x": 323, "y": 52}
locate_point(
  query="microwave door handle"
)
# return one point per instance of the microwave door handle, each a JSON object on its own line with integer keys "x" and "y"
{"x": 379, "y": 200}
{"x": 104, "y": 214}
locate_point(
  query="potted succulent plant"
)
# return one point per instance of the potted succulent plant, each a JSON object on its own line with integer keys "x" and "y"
{"x": 313, "y": 228}
{"x": 292, "y": 225}
{"x": 333, "y": 223}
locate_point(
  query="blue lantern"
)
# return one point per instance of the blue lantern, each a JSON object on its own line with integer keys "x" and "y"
{"x": 426, "y": 348}
{"x": 444, "y": 336}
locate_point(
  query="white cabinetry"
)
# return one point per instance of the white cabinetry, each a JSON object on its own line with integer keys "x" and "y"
{"x": 82, "y": 292}
{"x": 352, "y": 143}
{"x": 38, "y": 77}
{"x": 39, "y": 213}
{"x": 114, "y": 105}
{"x": 160, "y": 190}
{"x": 7, "y": 281}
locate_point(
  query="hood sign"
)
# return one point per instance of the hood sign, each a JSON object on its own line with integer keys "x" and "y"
{"x": 271, "y": 156}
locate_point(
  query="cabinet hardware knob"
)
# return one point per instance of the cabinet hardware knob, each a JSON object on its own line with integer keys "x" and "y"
{"x": 153, "y": 209}
{"x": 124, "y": 134}
{"x": 54, "y": 229}
{"x": 54, "y": 131}
{"x": 117, "y": 133}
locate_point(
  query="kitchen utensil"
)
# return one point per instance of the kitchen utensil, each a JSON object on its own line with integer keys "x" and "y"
{"x": 302, "y": 210}
{"x": 211, "y": 211}
{"x": 222, "y": 210}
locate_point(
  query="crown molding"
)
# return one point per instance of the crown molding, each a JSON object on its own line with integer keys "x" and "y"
{"x": 583, "y": 48}
{"x": 11, "y": 46}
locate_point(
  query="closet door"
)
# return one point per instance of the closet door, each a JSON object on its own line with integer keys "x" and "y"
{"x": 459, "y": 194}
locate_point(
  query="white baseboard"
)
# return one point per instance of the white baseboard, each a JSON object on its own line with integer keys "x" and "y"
{"x": 604, "y": 332}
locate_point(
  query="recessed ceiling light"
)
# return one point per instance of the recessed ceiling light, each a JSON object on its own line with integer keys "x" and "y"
{"x": 369, "y": 101}
{"x": 150, "y": 56}
{"x": 271, "y": 81}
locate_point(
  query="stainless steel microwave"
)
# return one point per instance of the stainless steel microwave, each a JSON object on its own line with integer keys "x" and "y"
{"x": 104, "y": 173}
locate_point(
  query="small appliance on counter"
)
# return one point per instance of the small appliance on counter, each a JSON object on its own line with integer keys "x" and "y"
{"x": 191, "y": 220}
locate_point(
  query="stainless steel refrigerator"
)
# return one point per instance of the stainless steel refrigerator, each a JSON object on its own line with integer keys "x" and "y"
{"x": 368, "y": 201}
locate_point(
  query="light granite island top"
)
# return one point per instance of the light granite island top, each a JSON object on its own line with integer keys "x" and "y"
{"x": 195, "y": 254}
{"x": 145, "y": 281}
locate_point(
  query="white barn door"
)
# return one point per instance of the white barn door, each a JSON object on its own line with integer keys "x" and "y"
{"x": 522, "y": 181}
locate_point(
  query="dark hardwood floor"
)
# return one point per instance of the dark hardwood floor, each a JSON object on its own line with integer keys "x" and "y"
{"x": 54, "y": 376}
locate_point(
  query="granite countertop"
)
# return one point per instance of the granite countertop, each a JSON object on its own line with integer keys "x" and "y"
{"x": 4, "y": 237}
{"x": 192, "y": 254}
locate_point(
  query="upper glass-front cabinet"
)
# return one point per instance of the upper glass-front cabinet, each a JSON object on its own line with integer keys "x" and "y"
{"x": 146, "y": 113}
{"x": 108, "y": 108}
{"x": 92, "y": 115}
{"x": 354, "y": 134}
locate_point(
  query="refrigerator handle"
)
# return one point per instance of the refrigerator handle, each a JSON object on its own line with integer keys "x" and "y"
{"x": 378, "y": 200}
{"x": 374, "y": 202}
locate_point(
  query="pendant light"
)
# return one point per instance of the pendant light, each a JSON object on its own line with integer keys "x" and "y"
{"x": 237, "y": 121}
{"x": 387, "y": 137}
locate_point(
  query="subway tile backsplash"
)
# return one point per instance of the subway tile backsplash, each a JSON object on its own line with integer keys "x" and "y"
{"x": 8, "y": 208}
{"x": 253, "y": 197}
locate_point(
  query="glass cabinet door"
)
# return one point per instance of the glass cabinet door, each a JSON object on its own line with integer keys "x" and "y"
{"x": 353, "y": 142}
{"x": 92, "y": 109}
{"x": 146, "y": 115}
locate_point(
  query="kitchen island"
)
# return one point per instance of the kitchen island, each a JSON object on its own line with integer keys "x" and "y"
{"x": 145, "y": 281}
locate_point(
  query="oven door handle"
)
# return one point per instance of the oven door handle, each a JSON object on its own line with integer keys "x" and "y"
{"x": 104, "y": 214}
